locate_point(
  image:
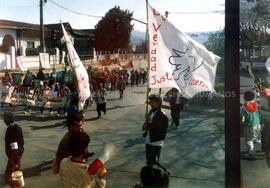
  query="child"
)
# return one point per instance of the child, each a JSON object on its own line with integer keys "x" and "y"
{"x": 251, "y": 121}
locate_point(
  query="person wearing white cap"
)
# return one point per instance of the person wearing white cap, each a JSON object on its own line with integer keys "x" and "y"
{"x": 13, "y": 144}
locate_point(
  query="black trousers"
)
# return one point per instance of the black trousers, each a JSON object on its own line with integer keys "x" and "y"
{"x": 101, "y": 107}
{"x": 175, "y": 112}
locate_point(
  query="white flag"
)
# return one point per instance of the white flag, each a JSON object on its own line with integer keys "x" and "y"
{"x": 80, "y": 71}
{"x": 176, "y": 60}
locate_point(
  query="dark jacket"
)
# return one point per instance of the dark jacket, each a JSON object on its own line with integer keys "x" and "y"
{"x": 173, "y": 94}
{"x": 158, "y": 127}
{"x": 14, "y": 134}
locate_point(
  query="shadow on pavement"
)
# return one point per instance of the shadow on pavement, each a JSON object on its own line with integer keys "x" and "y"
{"x": 36, "y": 170}
{"x": 63, "y": 124}
{"x": 37, "y": 118}
{"x": 30, "y": 172}
{"x": 113, "y": 99}
{"x": 92, "y": 119}
{"x": 133, "y": 142}
{"x": 117, "y": 106}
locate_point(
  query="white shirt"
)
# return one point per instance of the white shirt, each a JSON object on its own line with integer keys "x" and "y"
{"x": 75, "y": 175}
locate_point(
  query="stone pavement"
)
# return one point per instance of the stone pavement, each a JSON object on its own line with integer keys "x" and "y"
{"x": 194, "y": 152}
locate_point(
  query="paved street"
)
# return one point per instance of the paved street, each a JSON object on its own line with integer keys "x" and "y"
{"x": 194, "y": 153}
{"x": 255, "y": 172}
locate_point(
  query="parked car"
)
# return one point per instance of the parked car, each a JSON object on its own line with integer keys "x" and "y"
{"x": 244, "y": 65}
{"x": 258, "y": 66}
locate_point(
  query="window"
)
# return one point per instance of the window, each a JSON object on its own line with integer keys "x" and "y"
{"x": 30, "y": 44}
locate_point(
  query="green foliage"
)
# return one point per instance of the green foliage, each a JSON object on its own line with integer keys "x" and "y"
{"x": 113, "y": 30}
{"x": 141, "y": 48}
{"x": 32, "y": 52}
{"x": 51, "y": 51}
{"x": 216, "y": 44}
{"x": 254, "y": 21}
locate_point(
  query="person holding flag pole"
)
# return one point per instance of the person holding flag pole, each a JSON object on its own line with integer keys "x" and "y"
{"x": 155, "y": 126}
{"x": 176, "y": 61}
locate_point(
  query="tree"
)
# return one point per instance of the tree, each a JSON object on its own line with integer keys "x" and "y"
{"x": 113, "y": 31}
{"x": 254, "y": 22}
{"x": 216, "y": 44}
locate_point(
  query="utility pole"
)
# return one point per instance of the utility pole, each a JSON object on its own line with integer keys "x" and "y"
{"x": 42, "y": 41}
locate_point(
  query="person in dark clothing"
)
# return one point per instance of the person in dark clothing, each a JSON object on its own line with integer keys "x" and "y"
{"x": 14, "y": 143}
{"x": 132, "y": 78}
{"x": 177, "y": 104}
{"x": 153, "y": 176}
{"x": 100, "y": 100}
{"x": 155, "y": 127}
{"x": 73, "y": 106}
{"x": 40, "y": 75}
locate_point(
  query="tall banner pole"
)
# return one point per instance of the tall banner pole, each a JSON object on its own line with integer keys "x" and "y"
{"x": 148, "y": 59}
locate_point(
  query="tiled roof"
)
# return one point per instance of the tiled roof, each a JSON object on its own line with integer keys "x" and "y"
{"x": 7, "y": 24}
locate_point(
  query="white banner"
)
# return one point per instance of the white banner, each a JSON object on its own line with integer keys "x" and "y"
{"x": 19, "y": 95}
{"x": 45, "y": 60}
{"x": 176, "y": 60}
{"x": 80, "y": 71}
{"x": 21, "y": 63}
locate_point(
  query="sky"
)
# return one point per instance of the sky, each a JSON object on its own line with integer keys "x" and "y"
{"x": 28, "y": 11}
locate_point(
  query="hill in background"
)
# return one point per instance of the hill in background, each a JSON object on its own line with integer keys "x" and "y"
{"x": 139, "y": 36}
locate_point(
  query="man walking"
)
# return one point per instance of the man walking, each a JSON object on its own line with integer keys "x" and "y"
{"x": 155, "y": 127}
{"x": 75, "y": 125}
{"x": 177, "y": 104}
{"x": 14, "y": 146}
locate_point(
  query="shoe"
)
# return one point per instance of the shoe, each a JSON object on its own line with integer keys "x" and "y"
{"x": 169, "y": 172}
{"x": 252, "y": 157}
{"x": 25, "y": 112}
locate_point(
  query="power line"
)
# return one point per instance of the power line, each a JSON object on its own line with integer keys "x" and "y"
{"x": 75, "y": 12}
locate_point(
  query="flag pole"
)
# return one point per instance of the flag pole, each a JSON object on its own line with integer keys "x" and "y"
{"x": 148, "y": 60}
{"x": 72, "y": 68}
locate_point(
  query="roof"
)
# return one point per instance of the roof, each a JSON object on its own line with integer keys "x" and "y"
{"x": 7, "y": 24}
{"x": 57, "y": 26}
{"x": 77, "y": 32}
